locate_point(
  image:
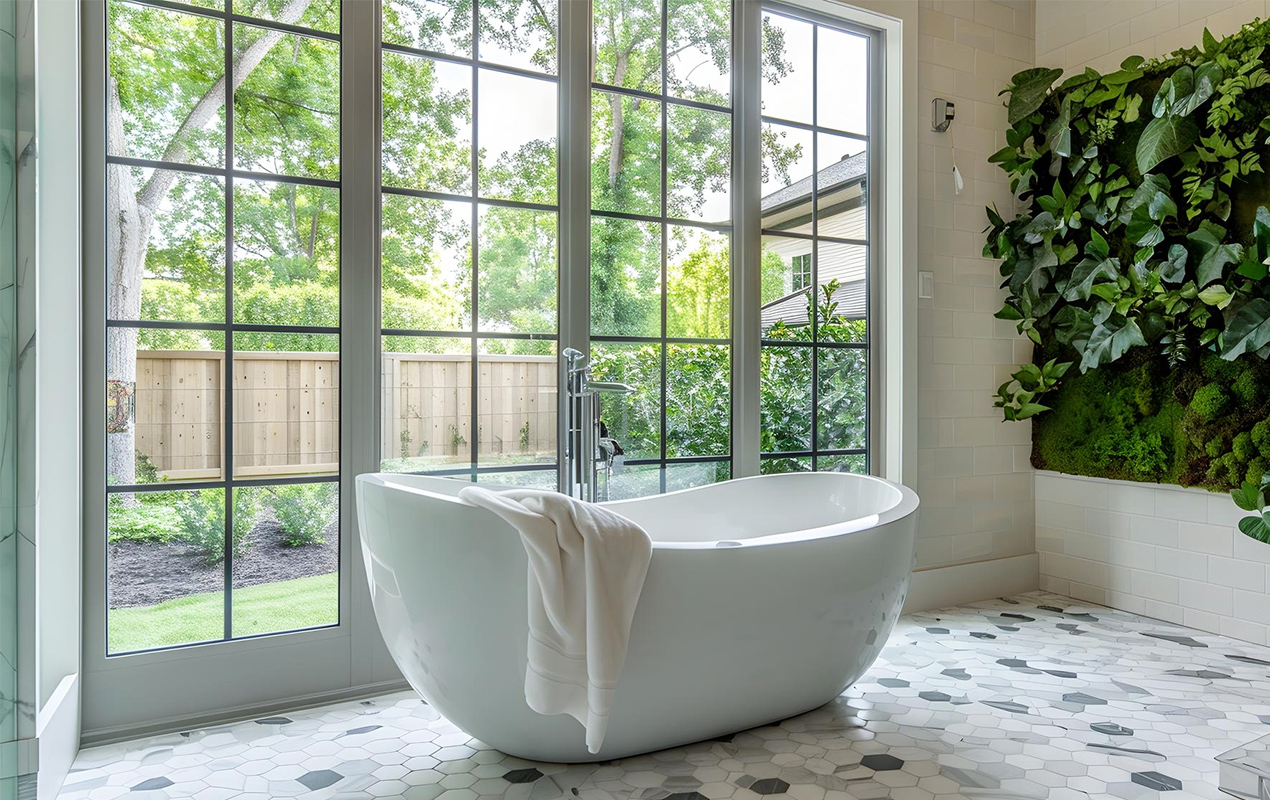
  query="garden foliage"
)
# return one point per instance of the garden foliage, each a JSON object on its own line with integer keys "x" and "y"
{"x": 1138, "y": 263}
{"x": 304, "y": 511}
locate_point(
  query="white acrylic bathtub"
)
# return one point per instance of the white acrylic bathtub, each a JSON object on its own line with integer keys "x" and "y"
{"x": 765, "y": 598}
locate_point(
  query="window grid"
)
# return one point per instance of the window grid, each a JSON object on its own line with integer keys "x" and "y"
{"x": 664, "y": 220}
{"x": 229, "y": 172}
{"x": 475, "y": 335}
{"x": 815, "y": 453}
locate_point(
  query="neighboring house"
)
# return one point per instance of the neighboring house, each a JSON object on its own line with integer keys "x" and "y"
{"x": 842, "y": 214}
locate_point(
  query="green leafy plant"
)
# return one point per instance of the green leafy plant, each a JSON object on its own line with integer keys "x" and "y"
{"x": 1141, "y": 226}
{"x": 202, "y": 515}
{"x": 1251, "y": 497}
{"x": 142, "y": 522}
{"x": 304, "y": 511}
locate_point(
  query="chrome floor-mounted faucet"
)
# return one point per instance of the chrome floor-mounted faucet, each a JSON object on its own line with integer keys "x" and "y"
{"x": 589, "y": 451}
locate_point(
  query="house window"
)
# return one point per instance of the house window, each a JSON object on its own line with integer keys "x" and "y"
{"x": 801, "y": 272}
{"x": 815, "y": 353}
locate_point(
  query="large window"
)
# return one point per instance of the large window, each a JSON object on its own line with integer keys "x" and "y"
{"x": 469, "y": 230}
{"x": 816, "y": 246}
{"x": 517, "y": 176}
{"x": 222, "y": 320}
{"x": 661, "y": 175}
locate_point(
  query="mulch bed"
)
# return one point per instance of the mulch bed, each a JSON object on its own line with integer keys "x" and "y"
{"x": 146, "y": 573}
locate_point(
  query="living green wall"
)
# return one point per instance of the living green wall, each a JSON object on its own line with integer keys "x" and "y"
{"x": 1137, "y": 264}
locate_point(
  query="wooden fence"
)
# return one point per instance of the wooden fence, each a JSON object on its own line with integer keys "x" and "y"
{"x": 286, "y": 411}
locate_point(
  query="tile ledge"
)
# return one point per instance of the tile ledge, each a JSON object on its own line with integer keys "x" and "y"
{"x": 1049, "y": 473}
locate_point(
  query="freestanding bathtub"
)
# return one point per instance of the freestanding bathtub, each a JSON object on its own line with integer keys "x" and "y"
{"x": 765, "y": 598}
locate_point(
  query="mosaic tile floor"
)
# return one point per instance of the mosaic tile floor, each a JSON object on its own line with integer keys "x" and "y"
{"x": 1029, "y": 697}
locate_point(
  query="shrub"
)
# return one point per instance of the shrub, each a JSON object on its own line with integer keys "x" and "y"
{"x": 142, "y": 522}
{"x": 1261, "y": 437}
{"x": 1243, "y": 448}
{"x": 304, "y": 511}
{"x": 1209, "y": 402}
{"x": 202, "y": 514}
{"x": 1248, "y": 390}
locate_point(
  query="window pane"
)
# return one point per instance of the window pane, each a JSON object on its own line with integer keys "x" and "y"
{"x": 286, "y": 254}
{"x": 785, "y": 262}
{"x": 843, "y": 384}
{"x": 687, "y": 476}
{"x": 699, "y": 164}
{"x": 787, "y": 68}
{"x": 785, "y": 399}
{"x": 842, "y": 92}
{"x": 322, "y": 15}
{"x": 426, "y": 263}
{"x": 779, "y": 466}
{"x": 625, "y": 154}
{"x": 698, "y": 400}
{"x": 517, "y": 138}
{"x": 165, "y": 66}
{"x": 519, "y": 33}
{"x": 699, "y": 44}
{"x": 528, "y": 479}
{"x": 628, "y": 483}
{"x": 625, "y": 277}
{"x": 786, "y": 191}
{"x": 427, "y": 124}
{"x": 627, "y": 43}
{"x": 165, "y": 569}
{"x": 517, "y": 270}
{"x": 842, "y": 169}
{"x": 164, "y": 405}
{"x": 183, "y": 276}
{"x": 442, "y": 26}
{"x": 287, "y": 109}
{"x": 699, "y": 284}
{"x": 427, "y": 403}
{"x": 286, "y": 558}
{"x": 842, "y": 302}
{"x": 516, "y": 402}
{"x": 852, "y": 463}
{"x": 634, "y": 420}
{"x": 286, "y": 404}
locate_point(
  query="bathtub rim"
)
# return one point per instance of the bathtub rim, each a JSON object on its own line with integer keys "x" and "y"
{"x": 906, "y": 504}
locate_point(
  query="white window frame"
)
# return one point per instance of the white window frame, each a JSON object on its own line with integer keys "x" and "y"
{"x": 163, "y": 690}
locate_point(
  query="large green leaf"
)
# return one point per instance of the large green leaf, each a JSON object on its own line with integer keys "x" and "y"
{"x": 1214, "y": 254}
{"x": 1248, "y": 497}
{"x": 1163, "y": 138}
{"x": 1085, "y": 273}
{"x": 1173, "y": 270}
{"x": 1030, "y": 88}
{"x": 1109, "y": 341}
{"x": 1257, "y": 527}
{"x": 1248, "y": 331}
{"x": 1207, "y": 76}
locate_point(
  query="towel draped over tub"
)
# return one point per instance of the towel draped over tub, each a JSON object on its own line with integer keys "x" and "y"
{"x": 587, "y": 567}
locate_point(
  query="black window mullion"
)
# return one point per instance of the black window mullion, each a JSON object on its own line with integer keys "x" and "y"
{"x": 227, "y": 380}
{"x": 475, "y": 432}
{"x": 665, "y": 242}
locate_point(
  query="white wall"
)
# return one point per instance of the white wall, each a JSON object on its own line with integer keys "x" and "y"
{"x": 1074, "y": 34}
{"x": 1165, "y": 552}
{"x": 975, "y": 478}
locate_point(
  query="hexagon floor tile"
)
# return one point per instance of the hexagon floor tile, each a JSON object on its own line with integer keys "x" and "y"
{"x": 1025, "y": 698}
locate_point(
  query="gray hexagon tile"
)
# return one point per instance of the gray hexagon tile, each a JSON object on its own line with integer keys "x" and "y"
{"x": 1030, "y": 697}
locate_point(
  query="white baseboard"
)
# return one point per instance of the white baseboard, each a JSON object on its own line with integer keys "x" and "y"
{"x": 969, "y": 583}
{"x": 120, "y": 733}
{"x": 57, "y": 731}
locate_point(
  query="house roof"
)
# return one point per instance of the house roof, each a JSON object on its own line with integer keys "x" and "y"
{"x": 841, "y": 173}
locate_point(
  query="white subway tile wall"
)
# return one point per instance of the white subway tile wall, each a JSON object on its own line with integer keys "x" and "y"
{"x": 975, "y": 478}
{"x": 1162, "y": 551}
{"x": 1074, "y": 34}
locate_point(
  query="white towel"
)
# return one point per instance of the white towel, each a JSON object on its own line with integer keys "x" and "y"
{"x": 586, "y": 570}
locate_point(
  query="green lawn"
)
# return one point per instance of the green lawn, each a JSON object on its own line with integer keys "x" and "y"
{"x": 267, "y": 608}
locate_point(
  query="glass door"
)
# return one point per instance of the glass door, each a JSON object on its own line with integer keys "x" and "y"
{"x": 469, "y": 240}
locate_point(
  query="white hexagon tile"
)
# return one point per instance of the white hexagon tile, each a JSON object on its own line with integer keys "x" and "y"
{"x": 1029, "y": 697}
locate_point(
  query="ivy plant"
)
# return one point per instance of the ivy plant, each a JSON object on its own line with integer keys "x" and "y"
{"x": 1139, "y": 223}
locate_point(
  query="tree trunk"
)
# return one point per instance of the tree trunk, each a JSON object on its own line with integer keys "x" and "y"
{"x": 129, "y": 218}
{"x": 619, "y": 133}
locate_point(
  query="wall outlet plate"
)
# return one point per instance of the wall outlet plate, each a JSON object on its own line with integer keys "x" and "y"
{"x": 925, "y": 285}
